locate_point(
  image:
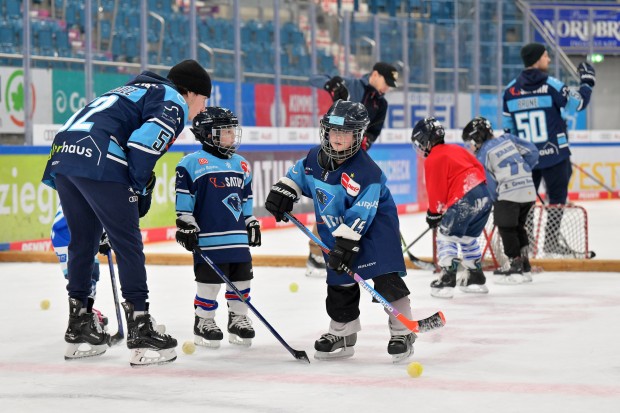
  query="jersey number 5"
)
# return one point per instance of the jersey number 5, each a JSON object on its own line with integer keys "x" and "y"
{"x": 532, "y": 126}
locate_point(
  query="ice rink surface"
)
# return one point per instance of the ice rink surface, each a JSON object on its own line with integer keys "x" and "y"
{"x": 547, "y": 346}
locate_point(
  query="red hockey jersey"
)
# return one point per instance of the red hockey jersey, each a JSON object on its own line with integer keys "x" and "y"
{"x": 451, "y": 171}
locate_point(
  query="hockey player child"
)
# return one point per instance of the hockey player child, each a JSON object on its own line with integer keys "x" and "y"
{"x": 214, "y": 212}
{"x": 508, "y": 161}
{"x": 357, "y": 221}
{"x": 459, "y": 205}
{"x": 100, "y": 163}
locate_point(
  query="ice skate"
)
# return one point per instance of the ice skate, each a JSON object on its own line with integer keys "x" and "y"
{"x": 84, "y": 334}
{"x": 443, "y": 287}
{"x": 401, "y": 347}
{"x": 330, "y": 346}
{"x": 474, "y": 281}
{"x": 207, "y": 333}
{"x": 240, "y": 329}
{"x": 148, "y": 346}
{"x": 315, "y": 266}
{"x": 511, "y": 273}
{"x": 103, "y": 320}
{"x": 527, "y": 268}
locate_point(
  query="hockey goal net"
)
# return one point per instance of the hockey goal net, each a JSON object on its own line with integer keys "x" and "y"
{"x": 554, "y": 231}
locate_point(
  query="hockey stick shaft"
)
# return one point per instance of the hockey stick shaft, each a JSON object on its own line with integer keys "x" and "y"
{"x": 406, "y": 249}
{"x": 592, "y": 177}
{"x": 424, "y": 265}
{"x": 120, "y": 334}
{"x": 299, "y": 355}
{"x": 437, "y": 320}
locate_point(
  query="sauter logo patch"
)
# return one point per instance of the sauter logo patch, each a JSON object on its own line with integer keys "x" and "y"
{"x": 352, "y": 187}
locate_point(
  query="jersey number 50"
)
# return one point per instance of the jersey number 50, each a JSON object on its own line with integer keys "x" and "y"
{"x": 532, "y": 126}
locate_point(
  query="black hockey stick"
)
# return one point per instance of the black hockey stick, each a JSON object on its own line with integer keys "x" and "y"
{"x": 298, "y": 354}
{"x": 424, "y": 265}
{"x": 433, "y": 322}
{"x": 120, "y": 335}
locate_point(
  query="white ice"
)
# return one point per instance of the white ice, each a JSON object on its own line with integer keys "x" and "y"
{"x": 547, "y": 346}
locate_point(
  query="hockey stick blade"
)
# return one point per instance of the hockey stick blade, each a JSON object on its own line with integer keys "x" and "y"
{"x": 298, "y": 354}
{"x": 433, "y": 322}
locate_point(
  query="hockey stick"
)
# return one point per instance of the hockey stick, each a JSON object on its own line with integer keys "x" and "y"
{"x": 433, "y": 322}
{"x": 423, "y": 265}
{"x": 598, "y": 181}
{"x": 120, "y": 335}
{"x": 298, "y": 354}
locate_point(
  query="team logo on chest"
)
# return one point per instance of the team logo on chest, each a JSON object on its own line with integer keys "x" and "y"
{"x": 323, "y": 198}
{"x": 352, "y": 187}
{"x": 233, "y": 203}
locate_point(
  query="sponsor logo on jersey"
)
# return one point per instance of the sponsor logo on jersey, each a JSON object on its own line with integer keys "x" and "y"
{"x": 203, "y": 161}
{"x": 548, "y": 149}
{"x": 171, "y": 113}
{"x": 216, "y": 184}
{"x": 233, "y": 203}
{"x": 85, "y": 147}
{"x": 233, "y": 181}
{"x": 308, "y": 170}
{"x": 367, "y": 204}
{"x": 245, "y": 167}
{"x": 323, "y": 198}
{"x": 352, "y": 187}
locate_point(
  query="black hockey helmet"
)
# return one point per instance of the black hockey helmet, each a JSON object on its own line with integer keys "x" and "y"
{"x": 209, "y": 125}
{"x": 478, "y": 130}
{"x": 427, "y": 133}
{"x": 344, "y": 116}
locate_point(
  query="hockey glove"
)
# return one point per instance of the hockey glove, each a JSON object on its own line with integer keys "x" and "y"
{"x": 433, "y": 219}
{"x": 145, "y": 197}
{"x": 253, "y": 228}
{"x": 587, "y": 74}
{"x": 187, "y": 233}
{"x": 336, "y": 88}
{"x": 343, "y": 254}
{"x": 104, "y": 244}
{"x": 280, "y": 200}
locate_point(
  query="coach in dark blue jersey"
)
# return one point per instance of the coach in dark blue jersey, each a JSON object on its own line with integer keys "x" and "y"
{"x": 101, "y": 163}
{"x": 533, "y": 105}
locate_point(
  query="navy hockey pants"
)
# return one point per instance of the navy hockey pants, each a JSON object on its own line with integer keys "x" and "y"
{"x": 89, "y": 206}
{"x": 556, "y": 179}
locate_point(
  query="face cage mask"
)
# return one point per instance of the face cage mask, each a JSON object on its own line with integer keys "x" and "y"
{"x": 341, "y": 156}
{"x": 424, "y": 151}
{"x": 226, "y": 150}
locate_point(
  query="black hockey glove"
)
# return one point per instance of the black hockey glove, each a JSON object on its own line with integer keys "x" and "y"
{"x": 145, "y": 198}
{"x": 433, "y": 219}
{"x": 253, "y": 228}
{"x": 187, "y": 234}
{"x": 587, "y": 74}
{"x": 280, "y": 200}
{"x": 344, "y": 253}
{"x": 336, "y": 88}
{"x": 104, "y": 244}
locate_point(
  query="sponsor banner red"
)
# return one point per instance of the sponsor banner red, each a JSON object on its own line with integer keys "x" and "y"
{"x": 296, "y": 108}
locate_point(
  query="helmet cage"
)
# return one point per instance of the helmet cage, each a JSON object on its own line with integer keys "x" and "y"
{"x": 426, "y": 134}
{"x": 343, "y": 155}
{"x": 208, "y": 127}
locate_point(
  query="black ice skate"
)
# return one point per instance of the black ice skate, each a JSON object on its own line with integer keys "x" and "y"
{"x": 240, "y": 329}
{"x": 443, "y": 287}
{"x": 147, "y": 344}
{"x": 401, "y": 347}
{"x": 527, "y": 268}
{"x": 474, "y": 280}
{"x": 207, "y": 333}
{"x": 330, "y": 346}
{"x": 315, "y": 266}
{"x": 511, "y": 273}
{"x": 84, "y": 334}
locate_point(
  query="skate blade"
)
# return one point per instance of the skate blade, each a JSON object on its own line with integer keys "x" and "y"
{"x": 398, "y": 358}
{"x": 235, "y": 339}
{"x": 84, "y": 350}
{"x": 446, "y": 292}
{"x": 203, "y": 342}
{"x": 341, "y": 353}
{"x": 512, "y": 279}
{"x": 142, "y": 357}
{"x": 474, "y": 289}
{"x": 527, "y": 277}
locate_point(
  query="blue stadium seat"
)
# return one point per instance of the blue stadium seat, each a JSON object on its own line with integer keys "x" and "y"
{"x": 13, "y": 8}
{"x": 7, "y": 39}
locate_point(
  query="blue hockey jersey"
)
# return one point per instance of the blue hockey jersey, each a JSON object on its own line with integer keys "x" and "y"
{"x": 120, "y": 135}
{"x": 218, "y": 193}
{"x": 533, "y": 104}
{"x": 508, "y": 162}
{"x": 354, "y": 194}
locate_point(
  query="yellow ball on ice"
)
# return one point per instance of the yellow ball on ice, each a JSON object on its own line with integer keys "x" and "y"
{"x": 189, "y": 347}
{"x": 415, "y": 369}
{"x": 293, "y": 287}
{"x": 45, "y": 304}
